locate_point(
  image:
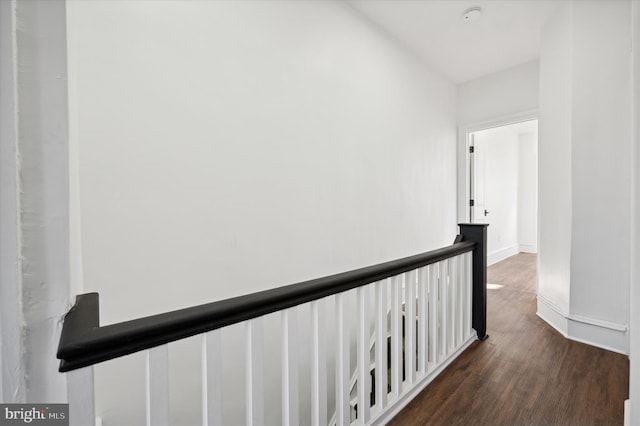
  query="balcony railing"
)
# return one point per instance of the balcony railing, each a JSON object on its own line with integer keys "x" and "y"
{"x": 414, "y": 316}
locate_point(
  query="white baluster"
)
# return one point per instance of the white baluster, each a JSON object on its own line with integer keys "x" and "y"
{"x": 453, "y": 284}
{"x": 158, "y": 386}
{"x": 80, "y": 394}
{"x": 290, "y": 402}
{"x": 364, "y": 361}
{"x": 396, "y": 336}
{"x": 460, "y": 300}
{"x": 469, "y": 292}
{"x": 463, "y": 296}
{"x": 433, "y": 312}
{"x": 444, "y": 303}
{"x": 423, "y": 323}
{"x": 319, "y": 366}
{"x": 410, "y": 327}
{"x": 381, "y": 344}
{"x": 212, "y": 378}
{"x": 343, "y": 410}
{"x": 255, "y": 373}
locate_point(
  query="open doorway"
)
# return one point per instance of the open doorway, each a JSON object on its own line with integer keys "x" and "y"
{"x": 502, "y": 186}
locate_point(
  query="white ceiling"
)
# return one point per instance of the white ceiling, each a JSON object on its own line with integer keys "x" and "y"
{"x": 507, "y": 34}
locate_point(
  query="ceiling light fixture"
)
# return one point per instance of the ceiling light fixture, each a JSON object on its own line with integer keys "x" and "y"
{"x": 472, "y": 14}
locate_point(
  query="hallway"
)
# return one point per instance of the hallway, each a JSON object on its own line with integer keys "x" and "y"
{"x": 526, "y": 373}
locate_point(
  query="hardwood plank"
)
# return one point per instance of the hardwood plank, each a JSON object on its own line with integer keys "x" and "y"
{"x": 526, "y": 373}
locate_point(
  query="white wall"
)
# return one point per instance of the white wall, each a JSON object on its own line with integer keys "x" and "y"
{"x": 585, "y": 155}
{"x": 44, "y": 195}
{"x": 12, "y": 383}
{"x": 501, "y": 94}
{"x": 633, "y": 414}
{"x": 226, "y": 147}
{"x": 528, "y": 192}
{"x": 34, "y": 294}
{"x": 554, "y": 160}
{"x": 601, "y": 150}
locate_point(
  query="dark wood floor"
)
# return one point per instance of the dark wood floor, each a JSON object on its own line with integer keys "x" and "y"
{"x": 526, "y": 373}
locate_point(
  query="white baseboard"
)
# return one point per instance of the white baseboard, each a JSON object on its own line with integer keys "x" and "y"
{"x": 528, "y": 248}
{"x": 627, "y": 412}
{"x": 552, "y": 315}
{"x": 602, "y": 334}
{"x": 498, "y": 255}
{"x": 602, "y": 337}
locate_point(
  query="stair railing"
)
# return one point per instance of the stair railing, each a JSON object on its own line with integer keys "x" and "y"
{"x": 428, "y": 308}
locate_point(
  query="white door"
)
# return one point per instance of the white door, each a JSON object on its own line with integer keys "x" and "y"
{"x": 478, "y": 164}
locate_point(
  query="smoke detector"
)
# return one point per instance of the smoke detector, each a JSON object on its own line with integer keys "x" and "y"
{"x": 472, "y": 14}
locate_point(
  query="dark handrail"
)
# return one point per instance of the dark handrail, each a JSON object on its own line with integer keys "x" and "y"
{"x": 83, "y": 342}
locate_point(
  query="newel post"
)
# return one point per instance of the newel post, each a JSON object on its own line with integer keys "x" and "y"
{"x": 477, "y": 233}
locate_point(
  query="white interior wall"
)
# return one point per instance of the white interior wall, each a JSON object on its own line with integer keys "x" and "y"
{"x": 12, "y": 385}
{"x": 34, "y": 219}
{"x": 528, "y": 192}
{"x": 554, "y": 163}
{"x": 44, "y": 194}
{"x": 226, "y": 147}
{"x": 34, "y": 294}
{"x": 632, "y": 411}
{"x": 585, "y": 172}
{"x": 500, "y": 94}
{"x": 601, "y": 151}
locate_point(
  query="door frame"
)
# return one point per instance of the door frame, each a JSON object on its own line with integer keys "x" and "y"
{"x": 463, "y": 166}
